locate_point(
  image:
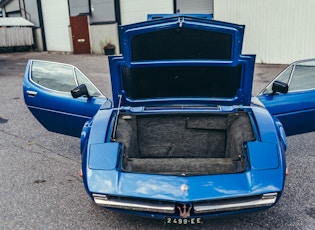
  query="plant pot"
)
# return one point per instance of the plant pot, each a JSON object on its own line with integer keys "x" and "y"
{"x": 109, "y": 51}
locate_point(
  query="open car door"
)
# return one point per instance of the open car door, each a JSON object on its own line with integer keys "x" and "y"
{"x": 290, "y": 97}
{"x": 49, "y": 90}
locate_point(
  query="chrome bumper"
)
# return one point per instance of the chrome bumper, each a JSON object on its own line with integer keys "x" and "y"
{"x": 134, "y": 204}
{"x": 213, "y": 206}
{"x": 236, "y": 204}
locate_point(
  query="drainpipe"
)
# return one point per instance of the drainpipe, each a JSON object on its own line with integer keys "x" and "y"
{"x": 4, "y": 14}
{"x": 118, "y": 19}
{"x": 90, "y": 10}
{"x": 41, "y": 23}
{"x": 175, "y": 7}
{"x": 20, "y": 9}
{"x": 117, "y": 12}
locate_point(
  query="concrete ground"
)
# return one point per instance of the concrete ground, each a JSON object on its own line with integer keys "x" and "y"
{"x": 41, "y": 189}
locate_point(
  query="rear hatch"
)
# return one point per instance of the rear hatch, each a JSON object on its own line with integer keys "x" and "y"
{"x": 182, "y": 60}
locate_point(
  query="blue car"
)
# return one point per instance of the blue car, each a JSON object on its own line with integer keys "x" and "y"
{"x": 182, "y": 138}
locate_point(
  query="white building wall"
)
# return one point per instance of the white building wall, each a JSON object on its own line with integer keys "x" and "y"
{"x": 12, "y": 6}
{"x": 57, "y": 25}
{"x": 38, "y": 39}
{"x": 137, "y": 10}
{"x": 194, "y": 7}
{"x": 102, "y": 34}
{"x": 278, "y": 31}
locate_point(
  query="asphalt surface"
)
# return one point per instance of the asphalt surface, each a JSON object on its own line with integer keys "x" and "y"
{"x": 41, "y": 189}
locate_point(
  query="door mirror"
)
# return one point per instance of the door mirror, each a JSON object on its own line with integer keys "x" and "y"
{"x": 79, "y": 91}
{"x": 279, "y": 87}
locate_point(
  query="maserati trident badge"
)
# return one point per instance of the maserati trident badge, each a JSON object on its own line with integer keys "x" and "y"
{"x": 184, "y": 211}
{"x": 184, "y": 187}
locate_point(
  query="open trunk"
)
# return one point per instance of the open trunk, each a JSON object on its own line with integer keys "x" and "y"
{"x": 184, "y": 144}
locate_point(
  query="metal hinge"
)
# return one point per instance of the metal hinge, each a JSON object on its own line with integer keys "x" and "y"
{"x": 180, "y": 21}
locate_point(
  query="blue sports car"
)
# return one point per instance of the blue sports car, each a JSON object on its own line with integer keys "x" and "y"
{"x": 182, "y": 138}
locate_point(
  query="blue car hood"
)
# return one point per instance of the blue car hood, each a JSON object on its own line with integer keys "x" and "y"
{"x": 181, "y": 61}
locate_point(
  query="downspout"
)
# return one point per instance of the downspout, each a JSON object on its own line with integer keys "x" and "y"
{"x": 90, "y": 10}
{"x": 25, "y": 15}
{"x": 118, "y": 20}
{"x": 20, "y": 9}
{"x": 175, "y": 6}
{"x": 117, "y": 12}
{"x": 69, "y": 8}
{"x": 4, "y": 13}
{"x": 41, "y": 23}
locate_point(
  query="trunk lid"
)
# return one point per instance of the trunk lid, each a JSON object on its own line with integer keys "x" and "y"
{"x": 182, "y": 61}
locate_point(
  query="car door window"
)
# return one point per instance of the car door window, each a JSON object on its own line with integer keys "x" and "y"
{"x": 54, "y": 76}
{"x": 82, "y": 79}
{"x": 283, "y": 77}
{"x": 303, "y": 77}
{"x": 299, "y": 76}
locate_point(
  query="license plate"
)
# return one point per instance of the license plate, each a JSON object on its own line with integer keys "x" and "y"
{"x": 183, "y": 221}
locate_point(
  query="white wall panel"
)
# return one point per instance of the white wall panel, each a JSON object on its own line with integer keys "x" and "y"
{"x": 137, "y": 10}
{"x": 278, "y": 31}
{"x": 12, "y": 6}
{"x": 194, "y": 7}
{"x": 56, "y": 23}
{"x": 16, "y": 36}
{"x": 102, "y": 11}
{"x": 101, "y": 34}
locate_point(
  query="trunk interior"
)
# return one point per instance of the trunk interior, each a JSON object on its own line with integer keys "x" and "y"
{"x": 184, "y": 144}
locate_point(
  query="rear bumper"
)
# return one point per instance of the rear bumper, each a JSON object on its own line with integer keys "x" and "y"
{"x": 134, "y": 204}
{"x": 202, "y": 207}
{"x": 264, "y": 200}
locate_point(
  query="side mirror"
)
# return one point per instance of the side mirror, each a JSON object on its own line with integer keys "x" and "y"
{"x": 79, "y": 91}
{"x": 279, "y": 87}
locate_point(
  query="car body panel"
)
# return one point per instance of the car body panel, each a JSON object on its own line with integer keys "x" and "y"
{"x": 262, "y": 155}
{"x": 57, "y": 111}
{"x": 200, "y": 188}
{"x": 296, "y": 108}
{"x": 100, "y": 161}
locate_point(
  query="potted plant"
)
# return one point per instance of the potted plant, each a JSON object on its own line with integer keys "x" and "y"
{"x": 109, "y": 48}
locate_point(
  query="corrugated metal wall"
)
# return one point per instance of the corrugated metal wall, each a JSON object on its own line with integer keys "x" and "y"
{"x": 16, "y": 36}
{"x": 194, "y": 7}
{"x": 278, "y": 32}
